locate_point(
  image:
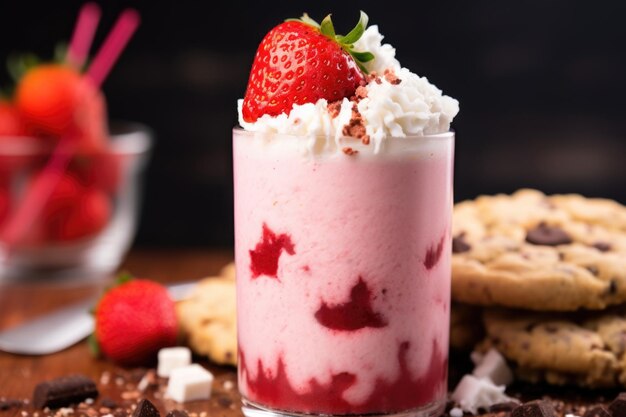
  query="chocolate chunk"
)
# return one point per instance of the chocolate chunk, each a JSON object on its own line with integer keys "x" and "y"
{"x": 597, "y": 411}
{"x": 64, "y": 391}
{"x": 177, "y": 413}
{"x": 8, "y": 403}
{"x": 146, "y": 409}
{"x": 612, "y": 286}
{"x": 602, "y": 246}
{"x": 537, "y": 408}
{"x": 459, "y": 245}
{"x": 506, "y": 406}
{"x": 618, "y": 407}
{"x": 550, "y": 328}
{"x": 547, "y": 236}
{"x": 108, "y": 403}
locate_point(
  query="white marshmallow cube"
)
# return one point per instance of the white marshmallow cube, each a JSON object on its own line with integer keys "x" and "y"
{"x": 189, "y": 383}
{"x": 494, "y": 366}
{"x": 172, "y": 358}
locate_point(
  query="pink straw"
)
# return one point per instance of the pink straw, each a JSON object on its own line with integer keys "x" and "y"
{"x": 85, "y": 29}
{"x": 39, "y": 193}
{"x": 113, "y": 46}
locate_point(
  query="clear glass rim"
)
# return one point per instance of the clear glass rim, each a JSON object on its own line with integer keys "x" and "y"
{"x": 127, "y": 138}
{"x": 441, "y": 136}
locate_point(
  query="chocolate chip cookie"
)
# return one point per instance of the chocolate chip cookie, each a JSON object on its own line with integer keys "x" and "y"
{"x": 532, "y": 251}
{"x": 584, "y": 348}
{"x": 208, "y": 318}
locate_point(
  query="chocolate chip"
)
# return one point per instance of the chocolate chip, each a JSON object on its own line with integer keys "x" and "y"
{"x": 537, "y": 408}
{"x": 602, "y": 246}
{"x": 547, "y": 236}
{"x": 506, "y": 407}
{"x": 612, "y": 287}
{"x": 618, "y": 407}
{"x": 64, "y": 391}
{"x": 550, "y": 328}
{"x": 146, "y": 409}
{"x": 597, "y": 411}
{"x": 8, "y": 403}
{"x": 177, "y": 413}
{"x": 108, "y": 403}
{"x": 459, "y": 245}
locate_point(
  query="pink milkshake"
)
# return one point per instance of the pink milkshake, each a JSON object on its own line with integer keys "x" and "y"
{"x": 343, "y": 204}
{"x": 343, "y": 275}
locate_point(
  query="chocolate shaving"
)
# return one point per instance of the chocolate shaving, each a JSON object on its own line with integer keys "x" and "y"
{"x": 224, "y": 401}
{"x": 547, "y": 236}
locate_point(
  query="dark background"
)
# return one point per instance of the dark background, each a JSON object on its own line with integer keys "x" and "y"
{"x": 541, "y": 87}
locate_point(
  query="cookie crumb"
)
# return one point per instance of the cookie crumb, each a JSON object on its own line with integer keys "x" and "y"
{"x": 374, "y": 77}
{"x": 130, "y": 395}
{"x": 391, "y": 77}
{"x": 147, "y": 381}
{"x": 361, "y": 92}
{"x": 334, "y": 108}
{"x": 105, "y": 378}
{"x": 356, "y": 126}
{"x": 349, "y": 151}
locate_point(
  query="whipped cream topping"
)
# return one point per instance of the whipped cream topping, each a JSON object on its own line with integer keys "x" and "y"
{"x": 410, "y": 107}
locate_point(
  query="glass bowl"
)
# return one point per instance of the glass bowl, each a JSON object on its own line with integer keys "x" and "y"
{"x": 87, "y": 219}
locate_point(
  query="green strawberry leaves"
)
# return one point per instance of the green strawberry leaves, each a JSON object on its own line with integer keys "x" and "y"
{"x": 356, "y": 33}
{"x": 347, "y": 42}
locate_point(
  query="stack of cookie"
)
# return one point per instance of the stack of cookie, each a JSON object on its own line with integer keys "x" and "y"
{"x": 208, "y": 317}
{"x": 550, "y": 274}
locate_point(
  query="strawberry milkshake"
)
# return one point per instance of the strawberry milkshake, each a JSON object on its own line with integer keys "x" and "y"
{"x": 343, "y": 202}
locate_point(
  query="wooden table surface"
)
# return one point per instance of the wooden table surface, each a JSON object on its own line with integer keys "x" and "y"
{"x": 20, "y": 374}
{"x": 18, "y": 302}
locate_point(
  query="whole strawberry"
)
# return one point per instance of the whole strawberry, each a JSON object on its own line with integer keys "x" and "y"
{"x": 11, "y": 124}
{"x": 134, "y": 320}
{"x": 55, "y": 100}
{"x": 301, "y": 61}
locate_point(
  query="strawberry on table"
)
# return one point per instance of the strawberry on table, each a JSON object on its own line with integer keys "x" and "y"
{"x": 134, "y": 321}
{"x": 301, "y": 61}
